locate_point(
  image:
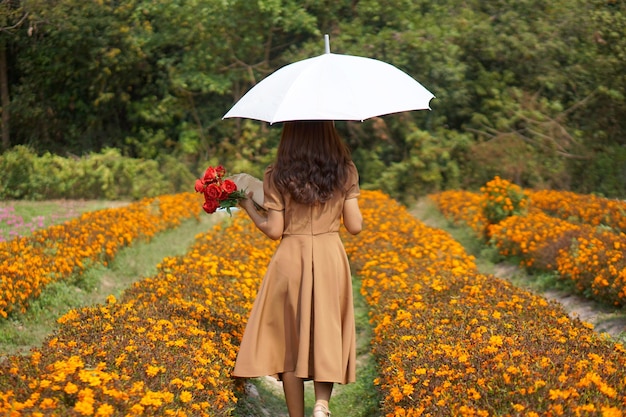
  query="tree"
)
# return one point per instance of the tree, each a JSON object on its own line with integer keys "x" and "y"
{"x": 11, "y": 18}
{"x": 531, "y": 88}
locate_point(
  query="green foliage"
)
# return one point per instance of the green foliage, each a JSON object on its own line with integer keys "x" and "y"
{"x": 605, "y": 174}
{"x": 525, "y": 89}
{"x": 418, "y": 163}
{"x": 16, "y": 168}
{"x": 109, "y": 175}
{"x": 177, "y": 173}
{"x": 105, "y": 175}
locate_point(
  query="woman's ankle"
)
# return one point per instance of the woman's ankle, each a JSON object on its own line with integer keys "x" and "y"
{"x": 322, "y": 402}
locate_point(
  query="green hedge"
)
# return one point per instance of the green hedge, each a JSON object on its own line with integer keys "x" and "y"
{"x": 105, "y": 175}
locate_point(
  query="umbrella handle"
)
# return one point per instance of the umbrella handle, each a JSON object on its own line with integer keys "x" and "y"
{"x": 326, "y": 44}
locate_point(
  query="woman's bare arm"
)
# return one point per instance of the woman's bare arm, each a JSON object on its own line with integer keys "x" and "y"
{"x": 272, "y": 223}
{"x": 352, "y": 217}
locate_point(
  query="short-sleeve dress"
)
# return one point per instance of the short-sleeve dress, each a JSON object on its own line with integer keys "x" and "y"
{"x": 302, "y": 319}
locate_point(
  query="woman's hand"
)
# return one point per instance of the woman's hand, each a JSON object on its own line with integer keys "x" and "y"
{"x": 247, "y": 204}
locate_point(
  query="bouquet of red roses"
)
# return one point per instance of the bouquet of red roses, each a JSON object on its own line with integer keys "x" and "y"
{"x": 218, "y": 191}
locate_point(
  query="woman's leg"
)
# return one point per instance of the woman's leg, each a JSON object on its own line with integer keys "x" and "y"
{"x": 294, "y": 394}
{"x": 323, "y": 390}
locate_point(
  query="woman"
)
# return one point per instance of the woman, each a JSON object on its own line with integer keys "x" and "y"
{"x": 302, "y": 323}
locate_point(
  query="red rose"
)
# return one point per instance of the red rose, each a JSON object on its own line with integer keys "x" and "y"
{"x": 210, "y": 175}
{"x": 199, "y": 186}
{"x": 212, "y": 192}
{"x": 210, "y": 206}
{"x": 218, "y": 191}
{"x": 229, "y": 186}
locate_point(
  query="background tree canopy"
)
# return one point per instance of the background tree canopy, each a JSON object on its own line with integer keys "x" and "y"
{"x": 529, "y": 90}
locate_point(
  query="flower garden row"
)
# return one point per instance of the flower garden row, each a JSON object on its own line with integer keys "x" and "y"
{"x": 550, "y": 230}
{"x": 583, "y": 208}
{"x": 448, "y": 340}
{"x": 28, "y": 264}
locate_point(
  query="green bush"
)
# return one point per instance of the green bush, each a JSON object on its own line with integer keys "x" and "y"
{"x": 502, "y": 199}
{"x": 106, "y": 175}
{"x": 16, "y": 167}
{"x": 604, "y": 174}
{"x": 178, "y": 175}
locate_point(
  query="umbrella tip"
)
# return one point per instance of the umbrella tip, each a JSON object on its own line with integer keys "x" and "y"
{"x": 326, "y": 44}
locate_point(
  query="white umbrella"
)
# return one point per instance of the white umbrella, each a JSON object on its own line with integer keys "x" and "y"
{"x": 332, "y": 87}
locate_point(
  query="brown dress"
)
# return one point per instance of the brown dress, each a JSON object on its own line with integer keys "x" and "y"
{"x": 302, "y": 319}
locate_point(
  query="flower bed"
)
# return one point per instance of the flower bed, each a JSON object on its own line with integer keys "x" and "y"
{"x": 166, "y": 348}
{"x": 15, "y": 225}
{"x": 450, "y": 341}
{"x": 593, "y": 259}
{"x": 17, "y": 219}
{"x": 584, "y": 250}
{"x": 462, "y": 207}
{"x": 588, "y": 209}
{"x": 28, "y": 264}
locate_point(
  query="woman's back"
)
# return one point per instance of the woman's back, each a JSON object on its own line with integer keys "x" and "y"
{"x": 311, "y": 219}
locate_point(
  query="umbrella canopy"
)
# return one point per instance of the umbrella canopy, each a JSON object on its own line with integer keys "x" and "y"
{"x": 332, "y": 87}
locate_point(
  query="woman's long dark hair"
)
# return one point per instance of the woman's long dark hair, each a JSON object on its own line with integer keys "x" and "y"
{"x": 312, "y": 161}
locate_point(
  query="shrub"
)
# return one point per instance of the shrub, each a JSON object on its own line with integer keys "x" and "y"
{"x": 502, "y": 199}
{"x": 16, "y": 167}
{"x": 105, "y": 175}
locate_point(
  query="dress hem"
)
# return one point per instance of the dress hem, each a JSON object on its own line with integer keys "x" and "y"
{"x": 276, "y": 376}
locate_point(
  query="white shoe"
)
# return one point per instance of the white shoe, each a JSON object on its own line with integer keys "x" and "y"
{"x": 320, "y": 410}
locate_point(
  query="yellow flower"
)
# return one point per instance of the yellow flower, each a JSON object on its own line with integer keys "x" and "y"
{"x": 48, "y": 403}
{"x": 154, "y": 370}
{"x": 185, "y": 396}
{"x": 518, "y": 407}
{"x": 473, "y": 394}
{"x": 105, "y": 410}
{"x": 496, "y": 341}
{"x": 611, "y": 412}
{"x": 84, "y": 407}
{"x": 407, "y": 389}
{"x": 396, "y": 394}
{"x": 71, "y": 388}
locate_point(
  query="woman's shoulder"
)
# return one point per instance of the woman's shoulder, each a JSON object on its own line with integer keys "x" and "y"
{"x": 352, "y": 170}
{"x": 268, "y": 170}
{"x": 351, "y": 186}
